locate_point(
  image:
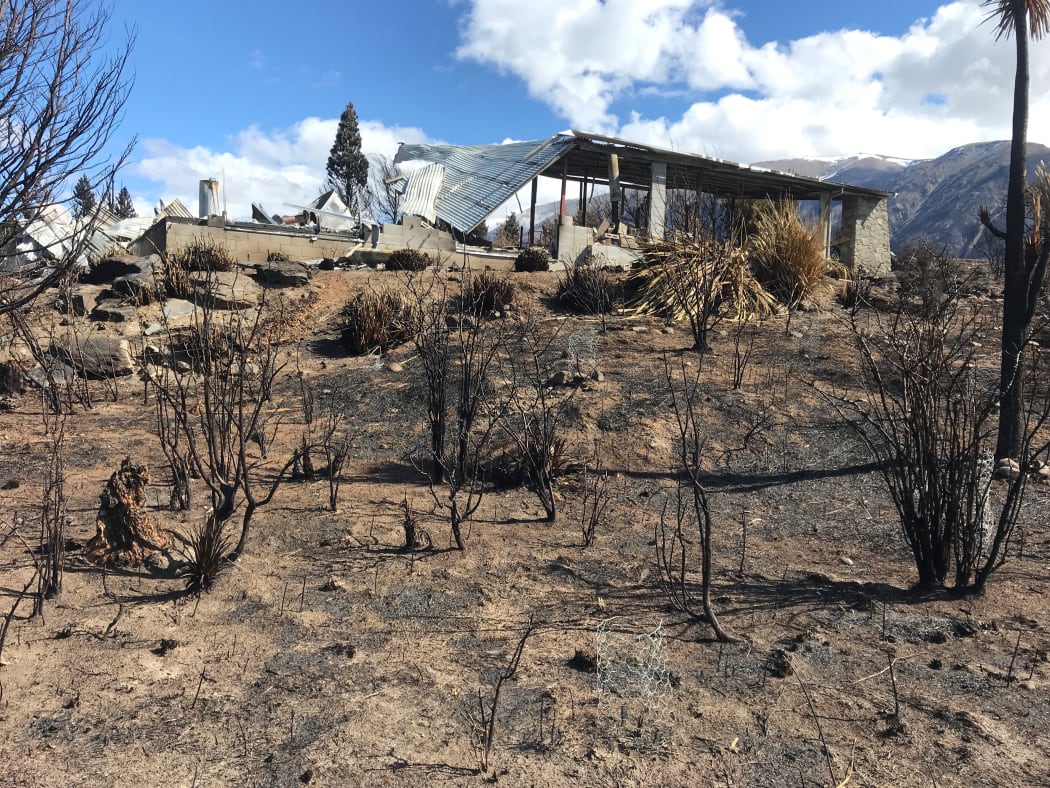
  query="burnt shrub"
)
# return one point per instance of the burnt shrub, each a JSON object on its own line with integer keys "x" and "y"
{"x": 587, "y": 288}
{"x": 533, "y": 259}
{"x": 376, "y": 320}
{"x": 486, "y": 293}
{"x": 407, "y": 260}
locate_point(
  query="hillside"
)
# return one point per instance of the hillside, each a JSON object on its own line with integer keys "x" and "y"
{"x": 331, "y": 654}
{"x": 936, "y": 198}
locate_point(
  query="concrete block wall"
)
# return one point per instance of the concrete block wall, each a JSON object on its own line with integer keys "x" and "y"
{"x": 864, "y": 245}
{"x": 413, "y": 234}
{"x": 244, "y": 244}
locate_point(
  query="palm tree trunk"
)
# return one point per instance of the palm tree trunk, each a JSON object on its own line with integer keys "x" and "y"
{"x": 1015, "y": 289}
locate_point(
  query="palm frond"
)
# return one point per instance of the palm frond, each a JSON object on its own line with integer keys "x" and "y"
{"x": 1004, "y": 14}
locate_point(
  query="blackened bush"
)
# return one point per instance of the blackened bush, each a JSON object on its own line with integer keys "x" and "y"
{"x": 407, "y": 260}
{"x": 486, "y": 293}
{"x": 533, "y": 259}
{"x": 587, "y": 288}
{"x": 376, "y": 320}
{"x": 202, "y": 254}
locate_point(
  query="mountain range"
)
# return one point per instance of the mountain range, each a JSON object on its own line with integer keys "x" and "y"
{"x": 936, "y": 199}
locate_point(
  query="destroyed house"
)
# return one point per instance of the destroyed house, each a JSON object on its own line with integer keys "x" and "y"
{"x": 459, "y": 186}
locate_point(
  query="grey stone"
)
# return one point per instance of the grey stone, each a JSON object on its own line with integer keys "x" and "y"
{"x": 112, "y": 310}
{"x": 95, "y": 357}
{"x": 226, "y": 290}
{"x": 143, "y": 288}
{"x": 176, "y": 308}
{"x": 153, "y": 328}
{"x": 560, "y": 378}
{"x": 395, "y": 366}
{"x": 597, "y": 376}
{"x": 282, "y": 274}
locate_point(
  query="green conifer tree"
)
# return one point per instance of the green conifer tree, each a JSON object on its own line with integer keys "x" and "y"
{"x": 347, "y": 168}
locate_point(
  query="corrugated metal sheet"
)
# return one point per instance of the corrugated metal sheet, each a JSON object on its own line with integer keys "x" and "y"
{"x": 175, "y": 209}
{"x": 422, "y": 191}
{"x": 479, "y": 178}
{"x": 54, "y": 235}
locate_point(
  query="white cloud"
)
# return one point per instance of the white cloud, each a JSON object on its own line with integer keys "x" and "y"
{"x": 271, "y": 168}
{"x": 943, "y": 83}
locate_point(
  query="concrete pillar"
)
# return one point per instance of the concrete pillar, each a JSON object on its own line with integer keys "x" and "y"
{"x": 825, "y": 221}
{"x": 864, "y": 246}
{"x": 657, "y": 200}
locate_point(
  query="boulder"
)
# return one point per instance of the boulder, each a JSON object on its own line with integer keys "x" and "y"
{"x": 142, "y": 288}
{"x": 112, "y": 266}
{"x": 226, "y": 290}
{"x": 112, "y": 310}
{"x": 95, "y": 357}
{"x": 282, "y": 273}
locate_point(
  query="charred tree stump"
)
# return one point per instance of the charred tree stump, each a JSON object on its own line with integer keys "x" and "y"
{"x": 125, "y": 533}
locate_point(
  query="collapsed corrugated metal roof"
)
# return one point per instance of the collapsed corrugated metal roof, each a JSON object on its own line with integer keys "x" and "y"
{"x": 477, "y": 179}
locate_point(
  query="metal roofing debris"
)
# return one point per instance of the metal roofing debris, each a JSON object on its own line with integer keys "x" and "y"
{"x": 174, "y": 209}
{"x": 55, "y": 235}
{"x": 259, "y": 214}
{"x": 421, "y": 191}
{"x": 478, "y": 178}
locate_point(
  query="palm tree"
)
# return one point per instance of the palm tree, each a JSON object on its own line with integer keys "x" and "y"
{"x": 1025, "y": 19}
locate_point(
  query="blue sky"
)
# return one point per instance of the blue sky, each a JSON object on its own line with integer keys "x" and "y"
{"x": 250, "y": 93}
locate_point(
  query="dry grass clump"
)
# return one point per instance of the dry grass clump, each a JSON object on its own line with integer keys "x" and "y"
{"x": 686, "y": 277}
{"x": 202, "y": 254}
{"x": 785, "y": 253}
{"x": 587, "y": 288}
{"x": 376, "y": 320}
{"x": 407, "y": 260}
{"x": 532, "y": 259}
{"x": 486, "y": 293}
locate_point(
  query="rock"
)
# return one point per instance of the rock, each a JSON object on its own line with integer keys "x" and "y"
{"x": 96, "y": 357}
{"x": 157, "y": 563}
{"x": 560, "y": 378}
{"x": 71, "y": 304}
{"x": 175, "y": 308}
{"x": 142, "y": 288}
{"x": 597, "y": 376}
{"x": 113, "y": 266}
{"x": 667, "y": 330}
{"x": 797, "y": 335}
{"x": 395, "y": 366}
{"x": 226, "y": 290}
{"x": 112, "y": 310}
{"x": 845, "y": 559}
{"x": 327, "y": 264}
{"x": 62, "y": 374}
{"x": 282, "y": 273}
{"x": 12, "y": 378}
{"x": 640, "y": 329}
{"x": 152, "y": 328}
